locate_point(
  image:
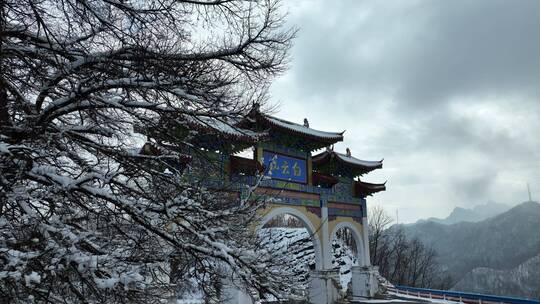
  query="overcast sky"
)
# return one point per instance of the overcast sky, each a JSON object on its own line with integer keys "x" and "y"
{"x": 447, "y": 92}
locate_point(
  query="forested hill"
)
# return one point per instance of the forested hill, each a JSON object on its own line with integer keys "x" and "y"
{"x": 503, "y": 242}
{"x": 522, "y": 281}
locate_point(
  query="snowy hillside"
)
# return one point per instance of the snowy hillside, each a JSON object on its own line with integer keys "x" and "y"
{"x": 295, "y": 243}
{"x": 500, "y": 245}
{"x": 522, "y": 281}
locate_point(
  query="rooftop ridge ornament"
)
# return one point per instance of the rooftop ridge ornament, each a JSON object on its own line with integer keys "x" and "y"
{"x": 348, "y": 151}
{"x": 306, "y": 123}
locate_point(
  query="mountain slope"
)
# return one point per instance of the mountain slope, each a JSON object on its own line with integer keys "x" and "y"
{"x": 522, "y": 281}
{"x": 501, "y": 242}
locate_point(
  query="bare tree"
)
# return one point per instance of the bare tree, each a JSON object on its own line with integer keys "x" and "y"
{"x": 402, "y": 260}
{"x": 284, "y": 220}
{"x": 378, "y": 221}
{"x": 345, "y": 236}
{"x": 83, "y": 216}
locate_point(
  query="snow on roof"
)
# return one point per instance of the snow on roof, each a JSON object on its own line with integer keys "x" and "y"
{"x": 328, "y": 155}
{"x": 224, "y": 126}
{"x": 303, "y": 129}
{"x": 359, "y": 162}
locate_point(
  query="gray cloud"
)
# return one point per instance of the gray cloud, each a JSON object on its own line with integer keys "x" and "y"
{"x": 475, "y": 47}
{"x": 427, "y": 51}
{"x": 447, "y": 91}
{"x": 475, "y": 188}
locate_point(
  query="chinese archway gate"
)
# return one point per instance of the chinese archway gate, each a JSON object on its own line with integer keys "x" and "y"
{"x": 322, "y": 189}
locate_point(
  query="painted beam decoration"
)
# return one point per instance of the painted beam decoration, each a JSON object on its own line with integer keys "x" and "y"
{"x": 336, "y": 209}
{"x": 284, "y": 167}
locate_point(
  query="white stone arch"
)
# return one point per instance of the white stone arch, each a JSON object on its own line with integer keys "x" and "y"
{"x": 358, "y": 237}
{"x": 312, "y": 230}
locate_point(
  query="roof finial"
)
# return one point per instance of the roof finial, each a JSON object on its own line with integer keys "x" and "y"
{"x": 348, "y": 152}
{"x": 306, "y": 123}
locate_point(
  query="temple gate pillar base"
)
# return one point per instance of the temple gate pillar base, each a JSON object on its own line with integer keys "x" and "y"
{"x": 364, "y": 282}
{"x": 323, "y": 286}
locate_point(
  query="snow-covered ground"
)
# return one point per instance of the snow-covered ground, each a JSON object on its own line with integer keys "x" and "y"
{"x": 295, "y": 244}
{"x": 403, "y": 298}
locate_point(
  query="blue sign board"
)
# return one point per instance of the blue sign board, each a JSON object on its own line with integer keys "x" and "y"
{"x": 279, "y": 166}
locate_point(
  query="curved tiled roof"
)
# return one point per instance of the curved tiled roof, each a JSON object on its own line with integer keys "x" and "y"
{"x": 364, "y": 189}
{"x": 330, "y": 137}
{"x": 225, "y": 127}
{"x": 322, "y": 138}
{"x": 377, "y": 164}
{"x": 349, "y": 161}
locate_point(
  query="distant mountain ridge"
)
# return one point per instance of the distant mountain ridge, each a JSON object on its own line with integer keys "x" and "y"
{"x": 492, "y": 249}
{"x": 475, "y": 214}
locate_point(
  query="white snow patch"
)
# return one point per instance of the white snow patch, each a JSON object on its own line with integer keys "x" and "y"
{"x": 33, "y": 277}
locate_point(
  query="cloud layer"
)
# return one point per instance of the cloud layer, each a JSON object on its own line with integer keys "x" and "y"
{"x": 448, "y": 92}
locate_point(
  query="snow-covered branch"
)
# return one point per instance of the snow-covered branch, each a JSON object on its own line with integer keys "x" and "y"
{"x": 85, "y": 216}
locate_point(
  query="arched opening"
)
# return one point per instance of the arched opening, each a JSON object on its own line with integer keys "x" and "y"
{"x": 289, "y": 231}
{"x": 347, "y": 251}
